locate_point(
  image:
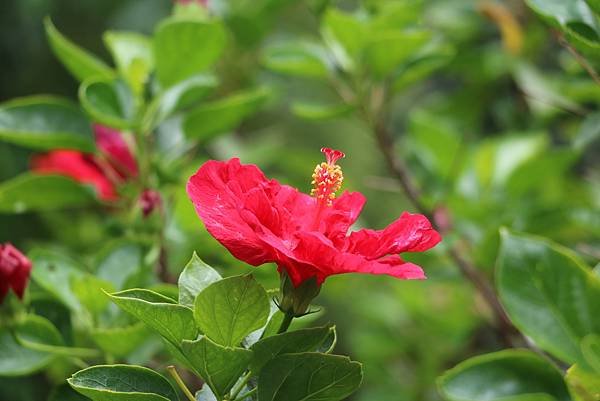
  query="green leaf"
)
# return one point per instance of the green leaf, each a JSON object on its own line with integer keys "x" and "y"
{"x": 183, "y": 48}
{"x": 64, "y": 392}
{"x": 30, "y": 192}
{"x": 518, "y": 375}
{"x": 574, "y": 17}
{"x": 45, "y": 122}
{"x": 122, "y": 383}
{"x": 80, "y": 63}
{"x": 54, "y": 272}
{"x": 89, "y": 291}
{"x": 220, "y": 367}
{"x": 319, "y": 112}
{"x": 548, "y": 293}
{"x": 109, "y": 102}
{"x": 585, "y": 386}
{"x": 120, "y": 341}
{"x": 223, "y": 115}
{"x": 172, "y": 321}
{"x": 179, "y": 96}
{"x": 345, "y": 35}
{"x": 230, "y": 309}
{"x": 589, "y": 131}
{"x": 16, "y": 360}
{"x": 119, "y": 262}
{"x": 590, "y": 348}
{"x": 303, "y": 340}
{"x": 385, "y": 51}
{"x": 194, "y": 278}
{"x": 297, "y": 59}
{"x": 133, "y": 56}
{"x": 205, "y": 394}
{"x": 309, "y": 377}
{"x": 39, "y": 334}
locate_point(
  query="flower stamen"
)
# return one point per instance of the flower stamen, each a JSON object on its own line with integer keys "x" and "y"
{"x": 327, "y": 178}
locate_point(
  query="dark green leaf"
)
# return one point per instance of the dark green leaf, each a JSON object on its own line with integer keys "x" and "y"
{"x": 64, "y": 392}
{"x": 517, "y": 375}
{"x": 195, "y": 277}
{"x": 109, "y": 102}
{"x": 303, "y": 340}
{"x": 230, "y": 309}
{"x": 309, "y": 377}
{"x": 385, "y": 51}
{"x": 122, "y": 383}
{"x": 45, "y": 122}
{"x": 220, "y": 367}
{"x": 223, "y": 115}
{"x": 172, "y": 321}
{"x": 531, "y": 273}
{"x": 183, "y": 48}
{"x": 80, "y": 63}
{"x": 16, "y": 360}
{"x": 31, "y": 192}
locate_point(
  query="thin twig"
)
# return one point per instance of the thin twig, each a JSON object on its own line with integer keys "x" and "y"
{"x": 468, "y": 270}
{"x": 171, "y": 369}
{"x": 580, "y": 58}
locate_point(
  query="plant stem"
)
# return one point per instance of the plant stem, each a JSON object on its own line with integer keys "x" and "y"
{"x": 249, "y": 393}
{"x": 240, "y": 387}
{"x": 285, "y": 324}
{"x": 468, "y": 270}
{"x": 180, "y": 383}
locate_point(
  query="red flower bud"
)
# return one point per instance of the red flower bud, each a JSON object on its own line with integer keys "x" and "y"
{"x": 14, "y": 271}
{"x": 149, "y": 200}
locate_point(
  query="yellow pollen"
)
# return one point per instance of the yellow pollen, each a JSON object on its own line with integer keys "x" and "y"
{"x": 326, "y": 180}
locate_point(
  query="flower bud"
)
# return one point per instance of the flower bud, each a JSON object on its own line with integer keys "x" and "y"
{"x": 14, "y": 271}
{"x": 149, "y": 200}
{"x": 296, "y": 300}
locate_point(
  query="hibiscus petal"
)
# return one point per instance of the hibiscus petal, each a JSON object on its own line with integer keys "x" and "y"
{"x": 218, "y": 190}
{"x": 410, "y": 233}
{"x": 113, "y": 146}
{"x": 78, "y": 166}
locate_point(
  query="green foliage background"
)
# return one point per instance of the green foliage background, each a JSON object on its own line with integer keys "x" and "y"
{"x": 494, "y": 139}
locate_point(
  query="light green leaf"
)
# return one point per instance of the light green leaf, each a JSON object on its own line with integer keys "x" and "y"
{"x": 194, "y": 278}
{"x": 54, "y": 272}
{"x": 303, "y": 340}
{"x": 386, "y": 51}
{"x": 79, "y": 62}
{"x": 297, "y": 59}
{"x": 30, "y": 192}
{"x": 548, "y": 293}
{"x": 183, "y": 48}
{"x": 518, "y": 375}
{"x": 39, "y": 334}
{"x": 220, "y": 367}
{"x": 179, "y": 96}
{"x": 119, "y": 262}
{"x": 122, "y": 383}
{"x": 309, "y": 377}
{"x": 45, "y": 122}
{"x": 89, "y": 291}
{"x": 590, "y": 348}
{"x": 223, "y": 115}
{"x": 16, "y": 360}
{"x": 584, "y": 385}
{"x": 345, "y": 35}
{"x": 132, "y": 53}
{"x": 588, "y": 132}
{"x": 109, "y": 102}
{"x": 312, "y": 111}
{"x": 172, "y": 321}
{"x": 120, "y": 341}
{"x": 230, "y": 309}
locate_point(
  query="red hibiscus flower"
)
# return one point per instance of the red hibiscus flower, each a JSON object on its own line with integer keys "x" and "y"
{"x": 14, "y": 271}
{"x": 110, "y": 167}
{"x": 259, "y": 220}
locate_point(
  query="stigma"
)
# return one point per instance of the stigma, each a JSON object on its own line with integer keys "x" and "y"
{"x": 328, "y": 177}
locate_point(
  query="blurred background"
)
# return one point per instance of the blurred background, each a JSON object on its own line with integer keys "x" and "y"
{"x": 497, "y": 128}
